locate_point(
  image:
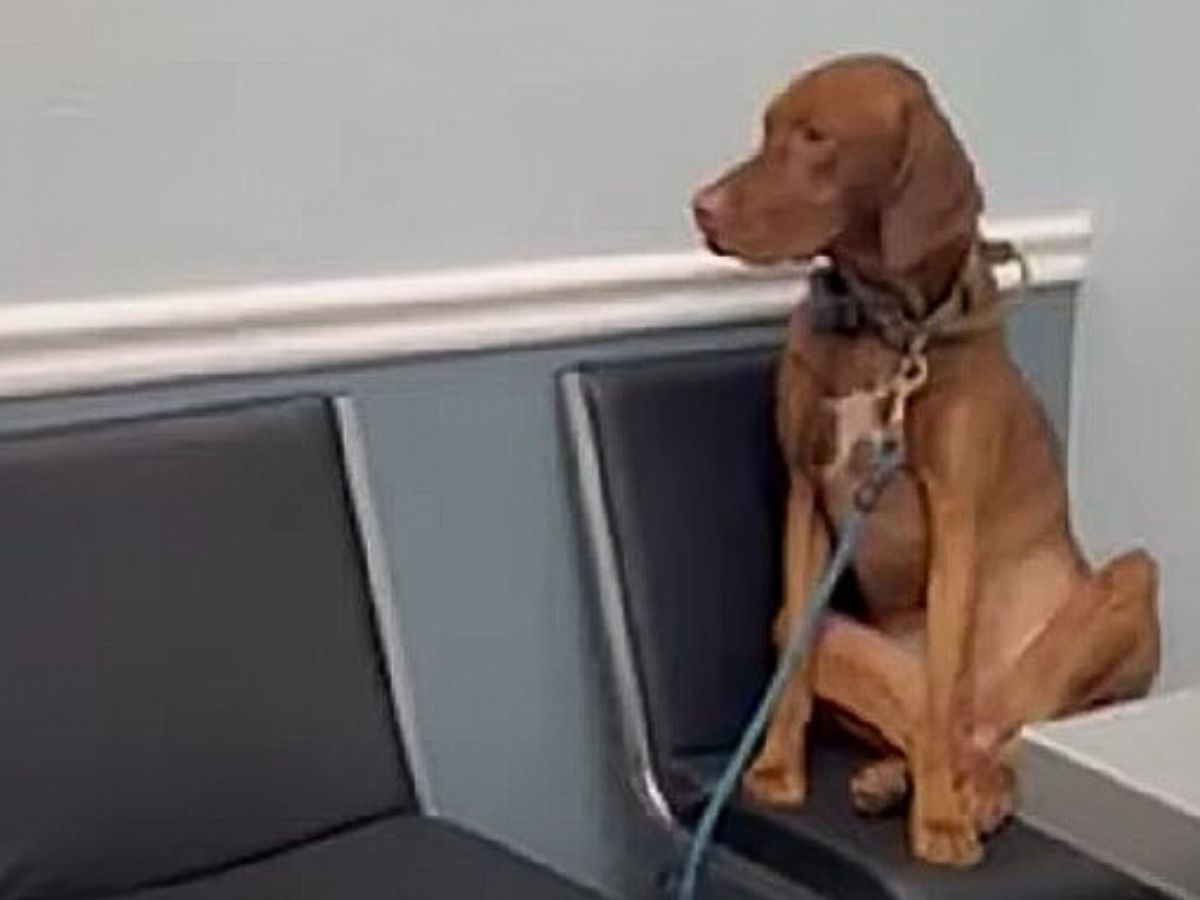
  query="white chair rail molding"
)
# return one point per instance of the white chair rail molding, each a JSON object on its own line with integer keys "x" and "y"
{"x": 107, "y": 342}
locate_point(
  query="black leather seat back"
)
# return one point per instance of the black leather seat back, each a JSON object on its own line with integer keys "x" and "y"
{"x": 189, "y": 672}
{"x": 694, "y": 488}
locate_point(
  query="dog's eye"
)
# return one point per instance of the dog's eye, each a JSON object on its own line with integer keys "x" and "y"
{"x": 813, "y": 134}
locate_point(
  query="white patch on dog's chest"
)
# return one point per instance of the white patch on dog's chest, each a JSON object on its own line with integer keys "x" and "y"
{"x": 856, "y": 418}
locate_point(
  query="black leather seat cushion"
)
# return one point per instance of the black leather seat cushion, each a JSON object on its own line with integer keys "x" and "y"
{"x": 841, "y": 854}
{"x": 400, "y": 858}
{"x": 694, "y": 493}
{"x": 188, "y": 662}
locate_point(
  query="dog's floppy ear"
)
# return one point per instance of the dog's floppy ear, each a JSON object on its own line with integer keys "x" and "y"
{"x": 934, "y": 197}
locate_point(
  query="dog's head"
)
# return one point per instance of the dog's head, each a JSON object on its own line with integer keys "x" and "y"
{"x": 855, "y": 160}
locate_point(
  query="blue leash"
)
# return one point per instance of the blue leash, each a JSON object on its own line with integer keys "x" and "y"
{"x": 888, "y": 456}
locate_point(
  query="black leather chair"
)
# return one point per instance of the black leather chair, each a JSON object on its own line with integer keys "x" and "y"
{"x": 193, "y": 697}
{"x": 681, "y": 495}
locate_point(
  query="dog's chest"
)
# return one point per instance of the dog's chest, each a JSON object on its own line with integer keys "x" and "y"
{"x": 849, "y": 429}
{"x": 890, "y": 562}
{"x": 891, "y": 559}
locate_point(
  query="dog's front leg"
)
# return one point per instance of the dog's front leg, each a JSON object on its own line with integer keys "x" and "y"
{"x": 778, "y": 776}
{"x": 942, "y": 824}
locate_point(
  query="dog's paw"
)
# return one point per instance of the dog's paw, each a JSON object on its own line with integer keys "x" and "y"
{"x": 880, "y": 787}
{"x": 773, "y": 783}
{"x": 946, "y": 842}
{"x": 942, "y": 828}
{"x": 991, "y": 794}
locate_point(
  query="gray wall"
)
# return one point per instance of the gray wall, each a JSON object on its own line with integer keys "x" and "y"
{"x": 159, "y": 143}
{"x": 1135, "y": 463}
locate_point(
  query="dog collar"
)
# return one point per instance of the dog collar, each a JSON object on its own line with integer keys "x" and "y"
{"x": 841, "y": 303}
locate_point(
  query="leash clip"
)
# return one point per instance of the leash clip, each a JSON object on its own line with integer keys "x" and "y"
{"x": 910, "y": 377}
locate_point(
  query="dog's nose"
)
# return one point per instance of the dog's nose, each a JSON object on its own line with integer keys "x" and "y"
{"x": 707, "y": 207}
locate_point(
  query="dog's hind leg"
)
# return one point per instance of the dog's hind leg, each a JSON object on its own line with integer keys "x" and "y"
{"x": 875, "y": 686}
{"x": 1131, "y": 586}
{"x": 864, "y": 673}
{"x": 880, "y": 787}
{"x": 1101, "y": 647}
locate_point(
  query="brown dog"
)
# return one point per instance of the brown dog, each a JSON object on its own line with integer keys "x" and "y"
{"x": 983, "y": 614}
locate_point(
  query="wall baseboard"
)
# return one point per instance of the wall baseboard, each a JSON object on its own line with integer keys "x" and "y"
{"x": 108, "y": 342}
